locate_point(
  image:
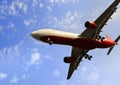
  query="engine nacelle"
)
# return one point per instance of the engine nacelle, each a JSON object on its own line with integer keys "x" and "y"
{"x": 68, "y": 59}
{"x": 90, "y": 25}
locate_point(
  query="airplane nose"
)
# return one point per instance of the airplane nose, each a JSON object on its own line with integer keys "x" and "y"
{"x": 34, "y": 35}
{"x": 37, "y": 34}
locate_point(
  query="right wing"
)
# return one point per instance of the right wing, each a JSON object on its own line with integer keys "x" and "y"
{"x": 105, "y": 16}
{"x": 101, "y": 21}
{"x": 77, "y": 54}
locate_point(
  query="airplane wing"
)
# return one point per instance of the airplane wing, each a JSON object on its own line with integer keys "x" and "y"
{"x": 77, "y": 54}
{"x": 101, "y": 21}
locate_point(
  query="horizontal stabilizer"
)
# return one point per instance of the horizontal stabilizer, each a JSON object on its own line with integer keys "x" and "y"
{"x": 110, "y": 50}
{"x": 118, "y": 38}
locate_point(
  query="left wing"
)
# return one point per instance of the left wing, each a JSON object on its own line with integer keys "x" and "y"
{"x": 77, "y": 54}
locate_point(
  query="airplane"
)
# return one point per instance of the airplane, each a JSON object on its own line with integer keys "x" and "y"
{"x": 82, "y": 43}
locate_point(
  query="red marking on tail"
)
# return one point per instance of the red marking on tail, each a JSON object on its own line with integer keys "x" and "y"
{"x": 108, "y": 38}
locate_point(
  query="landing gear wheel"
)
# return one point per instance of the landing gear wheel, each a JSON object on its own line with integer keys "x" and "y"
{"x": 50, "y": 42}
{"x": 88, "y": 57}
{"x": 100, "y": 38}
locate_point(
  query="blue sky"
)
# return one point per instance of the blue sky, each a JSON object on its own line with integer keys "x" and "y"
{"x": 25, "y": 61}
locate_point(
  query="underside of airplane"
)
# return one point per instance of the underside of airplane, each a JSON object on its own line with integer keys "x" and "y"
{"x": 81, "y": 43}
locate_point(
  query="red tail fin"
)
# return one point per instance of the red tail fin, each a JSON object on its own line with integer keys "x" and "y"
{"x": 108, "y": 37}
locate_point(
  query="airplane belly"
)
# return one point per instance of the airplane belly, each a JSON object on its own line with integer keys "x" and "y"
{"x": 57, "y": 40}
{"x": 92, "y": 43}
{"x": 74, "y": 42}
{"x": 85, "y": 43}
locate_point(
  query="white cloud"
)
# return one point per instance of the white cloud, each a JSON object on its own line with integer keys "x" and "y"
{"x": 22, "y": 6}
{"x": 35, "y": 60}
{"x": 41, "y": 5}
{"x": 3, "y": 76}
{"x": 54, "y": 1}
{"x": 35, "y": 57}
{"x": 25, "y": 76}
{"x": 93, "y": 75}
{"x": 34, "y": 3}
{"x": 56, "y": 72}
{"x": 25, "y": 8}
{"x": 74, "y": 1}
{"x": 70, "y": 22}
{"x": 63, "y": 1}
{"x": 10, "y": 25}
{"x": 49, "y": 8}
{"x": 9, "y": 52}
{"x": 14, "y": 79}
{"x": 47, "y": 57}
{"x": 12, "y": 8}
{"x": 28, "y": 22}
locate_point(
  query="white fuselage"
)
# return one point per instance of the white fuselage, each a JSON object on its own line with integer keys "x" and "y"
{"x": 50, "y": 32}
{"x": 66, "y": 38}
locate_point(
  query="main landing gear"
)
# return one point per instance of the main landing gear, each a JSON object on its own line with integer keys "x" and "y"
{"x": 87, "y": 56}
{"x": 100, "y": 38}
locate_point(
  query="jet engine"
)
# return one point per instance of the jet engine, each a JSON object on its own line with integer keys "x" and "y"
{"x": 68, "y": 59}
{"x": 90, "y": 25}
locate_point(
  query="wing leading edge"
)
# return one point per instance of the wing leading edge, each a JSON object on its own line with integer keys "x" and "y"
{"x": 101, "y": 21}
{"x": 103, "y": 18}
{"x": 78, "y": 53}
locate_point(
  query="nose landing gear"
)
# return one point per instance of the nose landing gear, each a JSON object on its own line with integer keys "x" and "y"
{"x": 49, "y": 41}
